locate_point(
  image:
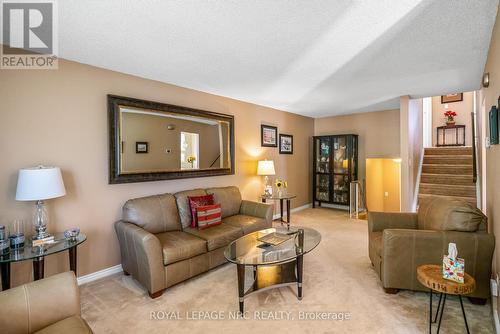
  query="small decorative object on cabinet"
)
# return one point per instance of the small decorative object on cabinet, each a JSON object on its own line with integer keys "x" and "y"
{"x": 335, "y": 165}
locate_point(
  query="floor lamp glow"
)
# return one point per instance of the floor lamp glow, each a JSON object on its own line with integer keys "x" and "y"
{"x": 39, "y": 184}
{"x": 266, "y": 169}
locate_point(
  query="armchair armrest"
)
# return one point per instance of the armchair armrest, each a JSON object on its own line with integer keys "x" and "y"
{"x": 404, "y": 250}
{"x": 379, "y": 221}
{"x": 36, "y": 305}
{"x": 141, "y": 255}
{"x": 256, "y": 209}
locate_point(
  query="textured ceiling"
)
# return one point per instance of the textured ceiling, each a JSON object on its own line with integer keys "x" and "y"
{"x": 311, "y": 57}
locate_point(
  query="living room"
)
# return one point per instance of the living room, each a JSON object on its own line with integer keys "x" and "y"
{"x": 284, "y": 86}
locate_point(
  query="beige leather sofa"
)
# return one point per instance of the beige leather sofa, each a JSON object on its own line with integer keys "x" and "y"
{"x": 400, "y": 242}
{"x": 47, "y": 306}
{"x": 158, "y": 246}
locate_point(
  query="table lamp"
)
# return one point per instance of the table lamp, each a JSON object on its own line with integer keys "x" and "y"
{"x": 266, "y": 169}
{"x": 39, "y": 184}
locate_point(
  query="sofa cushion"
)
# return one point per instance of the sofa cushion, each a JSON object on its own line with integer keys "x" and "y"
{"x": 74, "y": 324}
{"x": 177, "y": 246}
{"x": 247, "y": 224}
{"x": 183, "y": 205}
{"x": 442, "y": 214}
{"x": 229, "y": 198}
{"x": 217, "y": 236}
{"x": 155, "y": 214}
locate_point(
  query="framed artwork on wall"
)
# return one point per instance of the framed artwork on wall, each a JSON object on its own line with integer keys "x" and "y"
{"x": 268, "y": 136}
{"x": 493, "y": 125}
{"x": 141, "y": 147}
{"x": 450, "y": 98}
{"x": 286, "y": 144}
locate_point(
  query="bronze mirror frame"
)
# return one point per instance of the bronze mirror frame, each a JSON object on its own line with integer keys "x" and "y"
{"x": 115, "y": 175}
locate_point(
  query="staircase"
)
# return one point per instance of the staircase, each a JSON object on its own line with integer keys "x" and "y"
{"x": 447, "y": 172}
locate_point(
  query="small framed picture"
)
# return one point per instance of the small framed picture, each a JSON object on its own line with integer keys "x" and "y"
{"x": 450, "y": 98}
{"x": 268, "y": 136}
{"x": 286, "y": 144}
{"x": 141, "y": 147}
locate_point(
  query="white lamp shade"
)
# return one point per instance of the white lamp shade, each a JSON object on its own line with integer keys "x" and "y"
{"x": 265, "y": 167}
{"x": 39, "y": 183}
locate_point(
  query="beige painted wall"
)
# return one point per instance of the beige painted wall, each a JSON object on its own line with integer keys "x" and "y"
{"x": 463, "y": 109}
{"x": 59, "y": 117}
{"x": 489, "y": 97}
{"x": 378, "y": 133}
{"x": 383, "y": 178}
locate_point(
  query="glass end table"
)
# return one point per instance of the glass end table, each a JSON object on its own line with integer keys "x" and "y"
{"x": 38, "y": 254}
{"x": 282, "y": 198}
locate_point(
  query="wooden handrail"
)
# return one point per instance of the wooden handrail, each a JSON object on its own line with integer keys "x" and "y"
{"x": 474, "y": 164}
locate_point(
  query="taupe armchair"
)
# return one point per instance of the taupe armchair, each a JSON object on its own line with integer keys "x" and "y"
{"x": 400, "y": 242}
{"x": 50, "y": 305}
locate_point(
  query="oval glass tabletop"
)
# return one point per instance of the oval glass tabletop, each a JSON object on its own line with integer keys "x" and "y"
{"x": 27, "y": 252}
{"x": 249, "y": 251}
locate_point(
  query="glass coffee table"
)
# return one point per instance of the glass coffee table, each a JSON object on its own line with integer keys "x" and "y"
{"x": 272, "y": 266}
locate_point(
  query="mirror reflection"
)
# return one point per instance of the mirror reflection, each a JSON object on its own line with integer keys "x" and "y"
{"x": 157, "y": 141}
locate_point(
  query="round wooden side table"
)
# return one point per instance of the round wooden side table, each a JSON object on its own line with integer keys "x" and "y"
{"x": 431, "y": 276}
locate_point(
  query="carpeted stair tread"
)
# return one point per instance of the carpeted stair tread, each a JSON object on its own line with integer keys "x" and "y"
{"x": 448, "y": 190}
{"x": 447, "y": 179}
{"x": 448, "y": 159}
{"x": 471, "y": 200}
{"x": 465, "y": 150}
{"x": 447, "y": 169}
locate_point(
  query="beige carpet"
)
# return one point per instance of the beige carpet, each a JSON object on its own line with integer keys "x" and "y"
{"x": 338, "y": 278}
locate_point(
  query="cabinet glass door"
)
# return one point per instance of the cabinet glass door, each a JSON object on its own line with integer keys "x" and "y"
{"x": 323, "y": 187}
{"x": 341, "y": 189}
{"x": 323, "y": 149}
{"x": 340, "y": 158}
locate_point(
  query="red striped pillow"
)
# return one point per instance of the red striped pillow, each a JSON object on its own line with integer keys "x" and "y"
{"x": 208, "y": 215}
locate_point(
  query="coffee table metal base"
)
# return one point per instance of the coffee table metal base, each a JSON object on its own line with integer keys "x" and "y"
{"x": 267, "y": 277}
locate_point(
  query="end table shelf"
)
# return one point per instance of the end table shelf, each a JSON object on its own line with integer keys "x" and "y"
{"x": 38, "y": 254}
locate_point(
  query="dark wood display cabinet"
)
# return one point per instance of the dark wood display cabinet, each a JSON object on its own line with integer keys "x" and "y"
{"x": 335, "y": 165}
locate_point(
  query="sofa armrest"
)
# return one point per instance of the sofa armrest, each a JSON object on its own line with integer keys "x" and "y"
{"x": 141, "y": 255}
{"x": 256, "y": 209}
{"x": 404, "y": 250}
{"x": 379, "y": 221}
{"x": 36, "y": 305}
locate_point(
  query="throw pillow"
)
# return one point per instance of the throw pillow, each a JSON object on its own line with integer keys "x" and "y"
{"x": 196, "y": 201}
{"x": 208, "y": 216}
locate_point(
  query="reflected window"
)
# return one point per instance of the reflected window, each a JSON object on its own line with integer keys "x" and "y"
{"x": 190, "y": 150}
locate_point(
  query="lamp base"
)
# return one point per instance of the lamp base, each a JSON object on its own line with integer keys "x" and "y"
{"x": 41, "y": 219}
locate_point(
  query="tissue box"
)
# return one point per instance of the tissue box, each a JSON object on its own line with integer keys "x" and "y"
{"x": 453, "y": 269}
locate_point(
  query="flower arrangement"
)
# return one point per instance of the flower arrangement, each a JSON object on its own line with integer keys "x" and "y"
{"x": 450, "y": 117}
{"x": 281, "y": 183}
{"x": 191, "y": 159}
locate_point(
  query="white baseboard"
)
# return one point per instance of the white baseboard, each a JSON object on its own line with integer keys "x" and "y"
{"x": 300, "y": 208}
{"x": 494, "y": 309}
{"x": 99, "y": 274}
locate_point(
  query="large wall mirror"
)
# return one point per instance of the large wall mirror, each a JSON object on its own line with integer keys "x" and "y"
{"x": 151, "y": 141}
